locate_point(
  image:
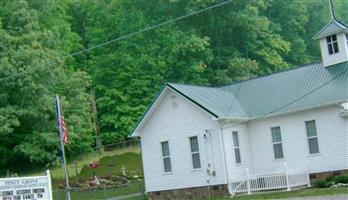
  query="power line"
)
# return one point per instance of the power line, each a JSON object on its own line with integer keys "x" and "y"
{"x": 151, "y": 27}
{"x": 139, "y": 31}
{"x": 231, "y": 105}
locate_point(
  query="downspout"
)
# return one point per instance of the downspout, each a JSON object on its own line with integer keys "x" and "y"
{"x": 251, "y": 161}
{"x": 208, "y": 160}
{"x": 225, "y": 162}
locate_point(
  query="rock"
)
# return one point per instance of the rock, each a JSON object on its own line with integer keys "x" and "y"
{"x": 340, "y": 185}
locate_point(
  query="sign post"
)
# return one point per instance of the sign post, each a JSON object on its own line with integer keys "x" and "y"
{"x": 18, "y": 188}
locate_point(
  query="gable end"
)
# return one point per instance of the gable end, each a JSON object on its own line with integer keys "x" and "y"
{"x": 157, "y": 101}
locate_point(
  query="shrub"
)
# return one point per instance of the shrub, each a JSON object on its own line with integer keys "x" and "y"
{"x": 332, "y": 180}
{"x": 340, "y": 179}
{"x": 323, "y": 184}
{"x": 329, "y": 179}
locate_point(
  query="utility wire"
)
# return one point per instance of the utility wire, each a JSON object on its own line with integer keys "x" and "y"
{"x": 151, "y": 27}
{"x": 231, "y": 105}
{"x": 139, "y": 31}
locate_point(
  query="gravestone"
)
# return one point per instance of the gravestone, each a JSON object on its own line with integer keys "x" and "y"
{"x": 123, "y": 170}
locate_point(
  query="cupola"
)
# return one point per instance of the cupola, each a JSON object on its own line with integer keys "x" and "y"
{"x": 333, "y": 40}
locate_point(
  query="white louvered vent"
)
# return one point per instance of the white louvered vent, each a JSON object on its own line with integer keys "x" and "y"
{"x": 174, "y": 102}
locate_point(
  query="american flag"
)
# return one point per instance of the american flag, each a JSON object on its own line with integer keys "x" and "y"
{"x": 61, "y": 123}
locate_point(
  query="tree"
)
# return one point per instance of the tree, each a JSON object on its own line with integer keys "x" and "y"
{"x": 239, "y": 33}
{"x": 34, "y": 71}
{"x": 294, "y": 16}
{"x": 127, "y": 74}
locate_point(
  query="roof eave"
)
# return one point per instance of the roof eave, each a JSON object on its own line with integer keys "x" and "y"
{"x": 193, "y": 101}
{"x": 299, "y": 110}
{"x": 318, "y": 37}
{"x": 135, "y": 132}
{"x": 344, "y": 28}
{"x": 234, "y": 119}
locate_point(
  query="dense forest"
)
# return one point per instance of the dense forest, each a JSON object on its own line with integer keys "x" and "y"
{"x": 39, "y": 40}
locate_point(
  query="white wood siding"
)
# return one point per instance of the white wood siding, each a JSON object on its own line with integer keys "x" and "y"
{"x": 339, "y": 57}
{"x": 257, "y": 149}
{"x": 176, "y": 122}
{"x": 237, "y": 171}
{"x": 332, "y": 138}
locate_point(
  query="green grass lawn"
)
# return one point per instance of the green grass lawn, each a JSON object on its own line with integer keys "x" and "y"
{"x": 84, "y": 160}
{"x": 131, "y": 161}
{"x": 295, "y": 193}
{"x": 57, "y": 173}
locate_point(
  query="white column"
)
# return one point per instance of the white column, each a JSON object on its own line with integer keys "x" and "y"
{"x": 308, "y": 180}
{"x": 248, "y": 180}
{"x": 287, "y": 177}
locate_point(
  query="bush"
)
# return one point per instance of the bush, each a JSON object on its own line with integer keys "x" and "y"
{"x": 329, "y": 179}
{"x": 323, "y": 184}
{"x": 341, "y": 179}
{"x": 332, "y": 180}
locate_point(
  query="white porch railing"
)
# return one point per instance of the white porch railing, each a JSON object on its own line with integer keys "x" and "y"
{"x": 269, "y": 181}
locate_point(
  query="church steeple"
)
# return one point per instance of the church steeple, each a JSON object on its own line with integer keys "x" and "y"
{"x": 332, "y": 12}
{"x": 333, "y": 40}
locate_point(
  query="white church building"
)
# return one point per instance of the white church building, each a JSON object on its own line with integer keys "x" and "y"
{"x": 273, "y": 132}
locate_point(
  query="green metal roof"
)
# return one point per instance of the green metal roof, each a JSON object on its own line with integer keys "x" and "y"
{"x": 333, "y": 27}
{"x": 214, "y": 100}
{"x": 297, "y": 89}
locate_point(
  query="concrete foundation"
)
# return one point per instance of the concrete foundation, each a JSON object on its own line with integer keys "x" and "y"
{"x": 221, "y": 190}
{"x": 314, "y": 177}
{"x": 190, "y": 193}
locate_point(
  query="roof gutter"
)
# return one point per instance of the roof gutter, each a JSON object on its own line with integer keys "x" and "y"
{"x": 233, "y": 119}
{"x": 299, "y": 110}
{"x": 281, "y": 113}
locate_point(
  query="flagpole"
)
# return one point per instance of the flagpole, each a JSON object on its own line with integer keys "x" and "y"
{"x": 66, "y": 177}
